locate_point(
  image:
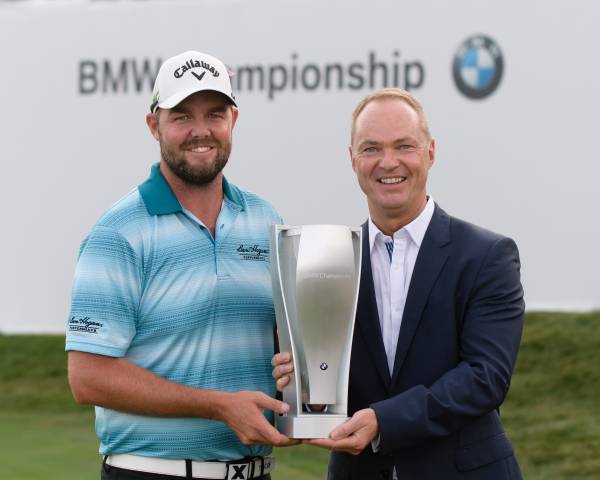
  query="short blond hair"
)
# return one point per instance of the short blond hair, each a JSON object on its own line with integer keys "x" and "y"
{"x": 393, "y": 93}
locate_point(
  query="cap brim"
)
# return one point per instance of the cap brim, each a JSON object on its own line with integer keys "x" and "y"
{"x": 174, "y": 100}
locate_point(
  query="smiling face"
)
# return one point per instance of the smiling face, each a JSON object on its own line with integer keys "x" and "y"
{"x": 195, "y": 136}
{"x": 391, "y": 156}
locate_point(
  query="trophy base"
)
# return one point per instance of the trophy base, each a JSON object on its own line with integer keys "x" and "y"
{"x": 309, "y": 426}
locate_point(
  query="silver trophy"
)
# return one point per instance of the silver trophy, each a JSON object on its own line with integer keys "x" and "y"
{"x": 316, "y": 272}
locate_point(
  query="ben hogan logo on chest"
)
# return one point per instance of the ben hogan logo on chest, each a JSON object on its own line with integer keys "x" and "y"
{"x": 253, "y": 252}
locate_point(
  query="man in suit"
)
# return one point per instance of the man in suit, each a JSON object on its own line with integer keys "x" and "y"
{"x": 438, "y": 322}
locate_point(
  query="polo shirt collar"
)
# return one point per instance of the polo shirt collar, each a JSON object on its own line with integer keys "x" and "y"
{"x": 160, "y": 199}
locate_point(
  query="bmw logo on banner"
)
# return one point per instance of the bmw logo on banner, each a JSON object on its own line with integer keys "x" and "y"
{"x": 478, "y": 67}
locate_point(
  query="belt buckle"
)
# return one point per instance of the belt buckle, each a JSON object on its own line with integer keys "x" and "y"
{"x": 243, "y": 469}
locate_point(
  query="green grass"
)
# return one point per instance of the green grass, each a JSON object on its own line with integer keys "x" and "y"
{"x": 36, "y": 445}
{"x": 551, "y": 412}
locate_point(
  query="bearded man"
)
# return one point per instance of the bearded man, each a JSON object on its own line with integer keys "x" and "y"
{"x": 170, "y": 333}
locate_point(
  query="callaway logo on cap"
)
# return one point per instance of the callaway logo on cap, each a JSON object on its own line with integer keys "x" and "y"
{"x": 187, "y": 73}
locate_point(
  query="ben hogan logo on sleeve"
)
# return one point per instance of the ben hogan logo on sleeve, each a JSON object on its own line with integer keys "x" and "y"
{"x": 84, "y": 324}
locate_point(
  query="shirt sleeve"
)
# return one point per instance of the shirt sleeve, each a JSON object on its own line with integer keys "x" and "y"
{"x": 375, "y": 443}
{"x": 106, "y": 294}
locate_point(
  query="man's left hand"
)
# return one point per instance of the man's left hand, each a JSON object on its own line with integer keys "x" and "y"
{"x": 353, "y": 436}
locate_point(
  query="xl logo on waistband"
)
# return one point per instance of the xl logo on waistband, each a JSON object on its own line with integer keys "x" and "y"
{"x": 239, "y": 472}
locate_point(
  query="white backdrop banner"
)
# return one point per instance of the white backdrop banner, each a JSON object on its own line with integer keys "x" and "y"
{"x": 511, "y": 90}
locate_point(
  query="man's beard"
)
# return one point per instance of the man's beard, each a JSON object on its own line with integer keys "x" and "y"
{"x": 200, "y": 175}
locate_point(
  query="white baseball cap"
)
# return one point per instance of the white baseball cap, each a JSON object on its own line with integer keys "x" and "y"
{"x": 187, "y": 73}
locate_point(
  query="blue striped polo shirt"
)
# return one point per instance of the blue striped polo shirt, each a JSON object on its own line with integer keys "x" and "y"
{"x": 153, "y": 286}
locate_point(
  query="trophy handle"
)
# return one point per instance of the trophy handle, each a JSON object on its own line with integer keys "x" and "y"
{"x": 292, "y": 392}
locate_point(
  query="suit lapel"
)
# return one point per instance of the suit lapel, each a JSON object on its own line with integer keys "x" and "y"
{"x": 430, "y": 260}
{"x": 367, "y": 316}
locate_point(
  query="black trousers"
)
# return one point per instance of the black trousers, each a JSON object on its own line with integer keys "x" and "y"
{"x": 114, "y": 473}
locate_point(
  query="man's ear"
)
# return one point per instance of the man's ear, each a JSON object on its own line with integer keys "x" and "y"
{"x": 234, "y": 112}
{"x": 352, "y": 158}
{"x": 431, "y": 152}
{"x": 152, "y": 122}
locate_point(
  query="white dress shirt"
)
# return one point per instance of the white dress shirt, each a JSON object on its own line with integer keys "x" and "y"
{"x": 391, "y": 279}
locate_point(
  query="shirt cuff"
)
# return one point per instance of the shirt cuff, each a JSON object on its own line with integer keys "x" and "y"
{"x": 375, "y": 443}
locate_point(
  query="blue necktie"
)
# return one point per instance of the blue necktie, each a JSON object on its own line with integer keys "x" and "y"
{"x": 390, "y": 249}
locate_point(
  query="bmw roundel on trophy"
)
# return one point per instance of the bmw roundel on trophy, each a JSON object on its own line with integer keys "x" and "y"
{"x": 315, "y": 272}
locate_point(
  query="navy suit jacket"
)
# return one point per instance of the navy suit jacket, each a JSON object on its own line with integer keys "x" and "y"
{"x": 461, "y": 329}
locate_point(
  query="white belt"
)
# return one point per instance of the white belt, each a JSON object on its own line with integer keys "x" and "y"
{"x": 234, "y": 470}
